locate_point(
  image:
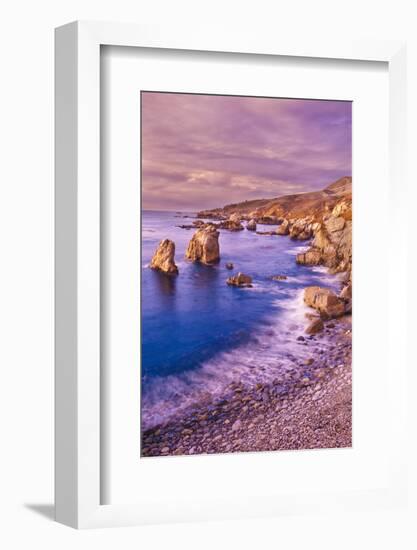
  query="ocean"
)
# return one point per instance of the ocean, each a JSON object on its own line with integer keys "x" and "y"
{"x": 198, "y": 335}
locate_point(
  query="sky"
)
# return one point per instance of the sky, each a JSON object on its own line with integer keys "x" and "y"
{"x": 205, "y": 151}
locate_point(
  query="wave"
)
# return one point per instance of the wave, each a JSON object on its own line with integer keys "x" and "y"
{"x": 297, "y": 250}
{"x": 271, "y": 351}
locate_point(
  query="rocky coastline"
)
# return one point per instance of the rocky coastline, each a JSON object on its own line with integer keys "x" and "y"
{"x": 310, "y": 405}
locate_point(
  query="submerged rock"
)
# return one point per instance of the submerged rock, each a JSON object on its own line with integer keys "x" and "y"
{"x": 229, "y": 265}
{"x": 240, "y": 280}
{"x": 163, "y": 259}
{"x": 324, "y": 300}
{"x": 251, "y": 225}
{"x": 204, "y": 246}
{"x": 279, "y": 277}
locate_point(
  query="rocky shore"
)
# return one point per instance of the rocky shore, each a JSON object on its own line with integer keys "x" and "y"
{"x": 309, "y": 407}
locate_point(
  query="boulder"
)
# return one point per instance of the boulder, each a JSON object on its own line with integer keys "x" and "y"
{"x": 235, "y": 218}
{"x": 284, "y": 228}
{"x": 204, "y": 246}
{"x": 240, "y": 280}
{"x": 251, "y": 225}
{"x": 346, "y": 292}
{"x": 305, "y": 235}
{"x": 324, "y": 300}
{"x": 163, "y": 259}
{"x": 311, "y": 257}
{"x": 301, "y": 229}
{"x": 315, "y": 326}
{"x": 321, "y": 239}
{"x": 231, "y": 225}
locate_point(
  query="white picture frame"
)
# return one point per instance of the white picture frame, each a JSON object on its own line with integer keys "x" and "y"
{"x": 78, "y": 405}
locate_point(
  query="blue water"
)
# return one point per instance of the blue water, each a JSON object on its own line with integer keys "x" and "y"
{"x": 199, "y": 334}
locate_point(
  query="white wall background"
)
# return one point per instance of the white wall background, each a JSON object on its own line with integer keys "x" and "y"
{"x": 26, "y": 274}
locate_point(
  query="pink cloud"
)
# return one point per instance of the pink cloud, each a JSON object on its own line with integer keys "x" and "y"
{"x": 201, "y": 151}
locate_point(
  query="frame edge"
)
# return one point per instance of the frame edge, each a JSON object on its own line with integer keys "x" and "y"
{"x": 66, "y": 345}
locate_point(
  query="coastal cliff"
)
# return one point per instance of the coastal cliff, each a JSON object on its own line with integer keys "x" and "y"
{"x": 322, "y": 217}
{"x": 307, "y": 402}
{"x": 314, "y": 204}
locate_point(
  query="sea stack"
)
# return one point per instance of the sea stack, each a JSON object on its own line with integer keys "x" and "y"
{"x": 204, "y": 246}
{"x": 251, "y": 225}
{"x": 163, "y": 259}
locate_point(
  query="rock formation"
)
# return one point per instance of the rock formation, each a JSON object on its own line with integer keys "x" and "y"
{"x": 315, "y": 326}
{"x": 324, "y": 300}
{"x": 270, "y": 233}
{"x": 231, "y": 225}
{"x": 332, "y": 243}
{"x": 267, "y": 220}
{"x": 290, "y": 207}
{"x": 311, "y": 257}
{"x": 251, "y": 225}
{"x": 284, "y": 228}
{"x": 204, "y": 246}
{"x": 240, "y": 280}
{"x": 235, "y": 218}
{"x": 163, "y": 259}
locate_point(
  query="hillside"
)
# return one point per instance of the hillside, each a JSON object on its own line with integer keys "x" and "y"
{"x": 313, "y": 204}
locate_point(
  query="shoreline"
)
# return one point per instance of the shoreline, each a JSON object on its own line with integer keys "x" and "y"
{"x": 308, "y": 407}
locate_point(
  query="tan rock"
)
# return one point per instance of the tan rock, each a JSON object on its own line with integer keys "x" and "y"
{"x": 346, "y": 292}
{"x": 343, "y": 208}
{"x": 235, "y": 217}
{"x": 324, "y": 300}
{"x": 204, "y": 246}
{"x": 240, "y": 280}
{"x": 284, "y": 228}
{"x": 311, "y": 257}
{"x": 163, "y": 259}
{"x": 315, "y": 326}
{"x": 321, "y": 239}
{"x": 334, "y": 224}
{"x": 231, "y": 225}
{"x": 251, "y": 225}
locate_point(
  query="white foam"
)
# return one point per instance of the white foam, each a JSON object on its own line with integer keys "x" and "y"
{"x": 297, "y": 250}
{"x": 272, "y": 350}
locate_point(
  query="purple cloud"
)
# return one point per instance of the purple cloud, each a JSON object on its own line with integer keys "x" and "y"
{"x": 201, "y": 151}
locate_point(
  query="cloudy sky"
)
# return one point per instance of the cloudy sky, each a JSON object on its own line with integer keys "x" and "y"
{"x": 201, "y": 151}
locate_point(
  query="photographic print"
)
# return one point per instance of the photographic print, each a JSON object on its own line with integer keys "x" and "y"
{"x": 246, "y": 274}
